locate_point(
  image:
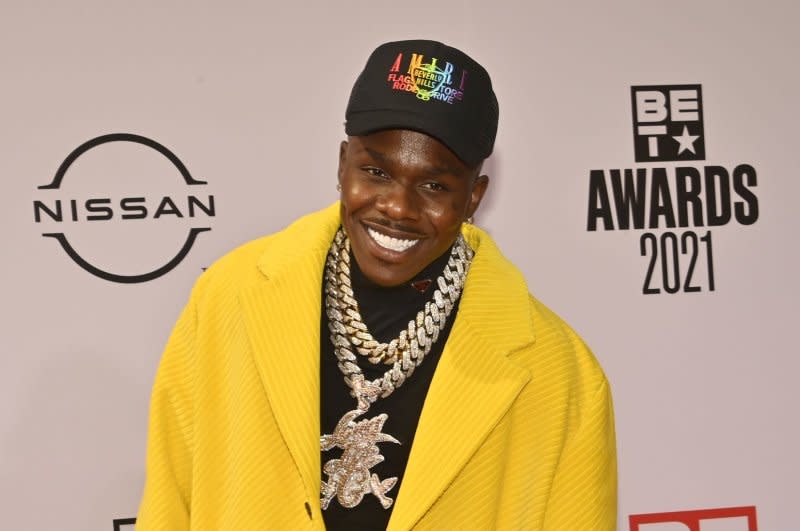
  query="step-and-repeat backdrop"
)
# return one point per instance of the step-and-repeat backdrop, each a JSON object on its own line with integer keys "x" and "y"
{"x": 645, "y": 180}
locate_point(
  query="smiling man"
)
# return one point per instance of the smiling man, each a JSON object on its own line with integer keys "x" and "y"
{"x": 404, "y": 198}
{"x": 380, "y": 364}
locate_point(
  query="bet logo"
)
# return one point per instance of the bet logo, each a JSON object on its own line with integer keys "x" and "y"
{"x": 668, "y": 123}
{"x": 672, "y": 202}
{"x": 124, "y": 208}
{"x": 727, "y": 519}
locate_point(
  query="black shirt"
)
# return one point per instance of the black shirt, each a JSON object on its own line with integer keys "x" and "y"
{"x": 385, "y": 311}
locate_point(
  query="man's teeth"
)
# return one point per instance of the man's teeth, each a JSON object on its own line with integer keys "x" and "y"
{"x": 387, "y": 242}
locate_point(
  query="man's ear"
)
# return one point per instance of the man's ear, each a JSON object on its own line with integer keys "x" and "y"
{"x": 479, "y": 187}
{"x": 342, "y": 158}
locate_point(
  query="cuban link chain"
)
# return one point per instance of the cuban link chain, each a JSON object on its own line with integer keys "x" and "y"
{"x": 421, "y": 332}
{"x": 349, "y": 477}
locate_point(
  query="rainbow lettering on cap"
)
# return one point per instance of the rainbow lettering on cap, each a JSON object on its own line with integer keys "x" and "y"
{"x": 427, "y": 80}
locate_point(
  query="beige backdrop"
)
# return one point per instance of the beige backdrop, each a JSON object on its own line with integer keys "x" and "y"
{"x": 250, "y": 96}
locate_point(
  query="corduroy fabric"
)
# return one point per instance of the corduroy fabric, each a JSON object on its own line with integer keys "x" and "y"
{"x": 516, "y": 432}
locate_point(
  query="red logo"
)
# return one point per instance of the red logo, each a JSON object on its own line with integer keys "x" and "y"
{"x": 728, "y": 519}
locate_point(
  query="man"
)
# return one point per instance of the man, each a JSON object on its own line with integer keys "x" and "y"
{"x": 379, "y": 364}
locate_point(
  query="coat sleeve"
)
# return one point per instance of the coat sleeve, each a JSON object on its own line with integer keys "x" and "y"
{"x": 167, "y": 493}
{"x": 584, "y": 491}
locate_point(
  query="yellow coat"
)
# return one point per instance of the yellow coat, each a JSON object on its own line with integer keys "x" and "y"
{"x": 516, "y": 432}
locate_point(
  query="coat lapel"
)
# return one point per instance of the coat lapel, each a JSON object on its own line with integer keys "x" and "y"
{"x": 282, "y": 318}
{"x": 475, "y": 383}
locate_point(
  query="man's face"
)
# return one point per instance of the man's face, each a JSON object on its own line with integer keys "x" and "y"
{"x": 404, "y": 197}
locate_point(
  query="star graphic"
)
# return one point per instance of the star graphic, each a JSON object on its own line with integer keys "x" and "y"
{"x": 686, "y": 141}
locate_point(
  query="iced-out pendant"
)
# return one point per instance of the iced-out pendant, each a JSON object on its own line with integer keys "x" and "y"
{"x": 349, "y": 477}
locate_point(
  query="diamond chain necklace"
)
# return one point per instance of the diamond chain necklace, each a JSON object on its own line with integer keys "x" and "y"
{"x": 349, "y": 477}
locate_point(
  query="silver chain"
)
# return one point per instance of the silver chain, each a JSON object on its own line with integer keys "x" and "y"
{"x": 349, "y": 478}
{"x": 405, "y": 352}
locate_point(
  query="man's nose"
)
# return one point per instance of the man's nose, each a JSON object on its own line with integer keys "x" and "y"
{"x": 399, "y": 202}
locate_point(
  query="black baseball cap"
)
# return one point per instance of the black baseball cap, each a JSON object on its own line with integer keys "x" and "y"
{"x": 429, "y": 87}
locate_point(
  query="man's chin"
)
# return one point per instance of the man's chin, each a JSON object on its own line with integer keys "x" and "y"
{"x": 383, "y": 273}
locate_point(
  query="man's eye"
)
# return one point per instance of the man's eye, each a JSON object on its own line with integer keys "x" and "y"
{"x": 375, "y": 172}
{"x": 435, "y": 187}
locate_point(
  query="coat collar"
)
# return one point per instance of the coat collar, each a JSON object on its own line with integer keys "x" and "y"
{"x": 474, "y": 385}
{"x": 282, "y": 315}
{"x": 475, "y": 382}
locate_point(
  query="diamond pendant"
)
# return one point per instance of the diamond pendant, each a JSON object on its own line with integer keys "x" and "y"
{"x": 349, "y": 477}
